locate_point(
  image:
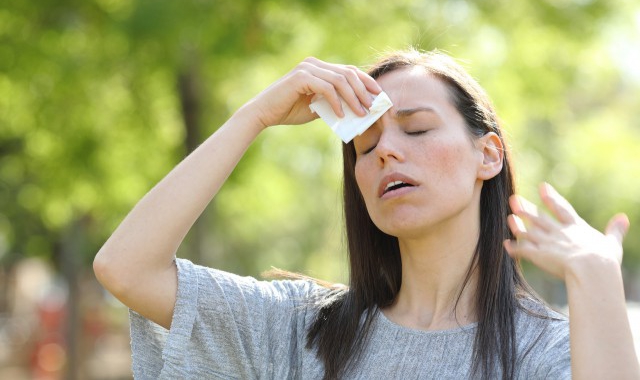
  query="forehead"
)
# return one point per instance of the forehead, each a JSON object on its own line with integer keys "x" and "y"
{"x": 414, "y": 87}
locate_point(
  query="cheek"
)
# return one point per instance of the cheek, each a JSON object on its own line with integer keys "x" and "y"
{"x": 365, "y": 180}
{"x": 360, "y": 175}
{"x": 452, "y": 159}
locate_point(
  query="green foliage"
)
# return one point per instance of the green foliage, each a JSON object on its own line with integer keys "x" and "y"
{"x": 90, "y": 115}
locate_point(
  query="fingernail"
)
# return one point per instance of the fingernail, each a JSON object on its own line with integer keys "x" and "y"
{"x": 520, "y": 223}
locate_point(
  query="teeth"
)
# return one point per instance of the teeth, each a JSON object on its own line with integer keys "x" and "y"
{"x": 394, "y": 183}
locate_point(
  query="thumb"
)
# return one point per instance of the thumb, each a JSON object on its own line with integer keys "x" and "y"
{"x": 618, "y": 227}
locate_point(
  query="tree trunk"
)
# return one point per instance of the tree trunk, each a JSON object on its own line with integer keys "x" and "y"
{"x": 72, "y": 248}
{"x": 190, "y": 95}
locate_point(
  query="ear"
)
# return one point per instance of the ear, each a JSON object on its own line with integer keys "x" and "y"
{"x": 492, "y": 150}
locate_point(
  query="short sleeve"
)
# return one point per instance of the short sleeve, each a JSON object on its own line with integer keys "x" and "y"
{"x": 225, "y": 326}
{"x": 555, "y": 357}
{"x": 543, "y": 340}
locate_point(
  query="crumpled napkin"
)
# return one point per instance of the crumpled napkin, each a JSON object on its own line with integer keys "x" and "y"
{"x": 351, "y": 125}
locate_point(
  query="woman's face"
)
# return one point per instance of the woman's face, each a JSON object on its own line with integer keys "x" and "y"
{"x": 417, "y": 167}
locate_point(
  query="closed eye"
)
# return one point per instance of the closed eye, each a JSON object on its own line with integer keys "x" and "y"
{"x": 412, "y": 133}
{"x": 368, "y": 150}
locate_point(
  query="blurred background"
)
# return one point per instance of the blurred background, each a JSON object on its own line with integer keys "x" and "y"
{"x": 99, "y": 99}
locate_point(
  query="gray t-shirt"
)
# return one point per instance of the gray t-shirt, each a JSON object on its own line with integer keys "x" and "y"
{"x": 230, "y": 327}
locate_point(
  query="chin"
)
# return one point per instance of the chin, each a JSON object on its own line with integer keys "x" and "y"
{"x": 402, "y": 228}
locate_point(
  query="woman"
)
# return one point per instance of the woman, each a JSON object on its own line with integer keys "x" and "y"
{"x": 434, "y": 235}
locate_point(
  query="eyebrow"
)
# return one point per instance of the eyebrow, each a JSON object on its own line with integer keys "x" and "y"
{"x": 406, "y": 112}
{"x": 410, "y": 111}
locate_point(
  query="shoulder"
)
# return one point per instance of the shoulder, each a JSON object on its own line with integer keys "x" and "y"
{"x": 225, "y": 325}
{"x": 534, "y": 315}
{"x": 543, "y": 340}
{"x": 538, "y": 323}
{"x": 214, "y": 284}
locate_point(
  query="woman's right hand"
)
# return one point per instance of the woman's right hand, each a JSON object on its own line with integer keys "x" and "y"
{"x": 287, "y": 100}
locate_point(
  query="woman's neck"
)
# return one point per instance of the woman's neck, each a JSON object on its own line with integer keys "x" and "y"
{"x": 433, "y": 294}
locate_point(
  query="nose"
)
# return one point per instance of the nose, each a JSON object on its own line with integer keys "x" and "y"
{"x": 389, "y": 147}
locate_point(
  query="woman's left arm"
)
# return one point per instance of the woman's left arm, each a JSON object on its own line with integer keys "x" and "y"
{"x": 589, "y": 263}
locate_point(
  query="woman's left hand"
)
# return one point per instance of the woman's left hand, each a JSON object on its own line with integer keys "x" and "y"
{"x": 556, "y": 243}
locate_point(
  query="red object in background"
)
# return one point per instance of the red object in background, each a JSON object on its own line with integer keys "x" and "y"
{"x": 49, "y": 356}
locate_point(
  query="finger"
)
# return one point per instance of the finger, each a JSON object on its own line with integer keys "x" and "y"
{"x": 533, "y": 234}
{"x": 511, "y": 246}
{"x": 520, "y": 249}
{"x": 310, "y": 84}
{"x": 530, "y": 212}
{"x": 517, "y": 227}
{"x": 355, "y": 78}
{"x": 558, "y": 205}
{"x": 528, "y": 251}
{"x": 362, "y": 83}
{"x": 370, "y": 83}
{"x": 346, "y": 82}
{"x": 618, "y": 227}
{"x": 346, "y": 90}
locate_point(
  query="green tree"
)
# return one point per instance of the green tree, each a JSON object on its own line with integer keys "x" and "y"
{"x": 100, "y": 99}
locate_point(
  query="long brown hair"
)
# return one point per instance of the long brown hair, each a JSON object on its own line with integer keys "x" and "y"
{"x": 342, "y": 325}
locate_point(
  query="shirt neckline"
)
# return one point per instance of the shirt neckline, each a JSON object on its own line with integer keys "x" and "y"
{"x": 387, "y": 323}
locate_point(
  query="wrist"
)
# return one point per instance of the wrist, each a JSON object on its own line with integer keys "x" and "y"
{"x": 247, "y": 117}
{"x": 588, "y": 268}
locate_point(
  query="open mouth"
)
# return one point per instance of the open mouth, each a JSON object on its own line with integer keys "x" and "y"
{"x": 395, "y": 185}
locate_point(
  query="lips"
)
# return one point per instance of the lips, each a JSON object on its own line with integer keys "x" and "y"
{"x": 395, "y": 181}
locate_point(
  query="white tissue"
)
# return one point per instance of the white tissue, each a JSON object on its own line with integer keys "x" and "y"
{"x": 351, "y": 125}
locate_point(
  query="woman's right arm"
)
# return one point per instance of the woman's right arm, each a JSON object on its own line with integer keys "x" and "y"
{"x": 136, "y": 264}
